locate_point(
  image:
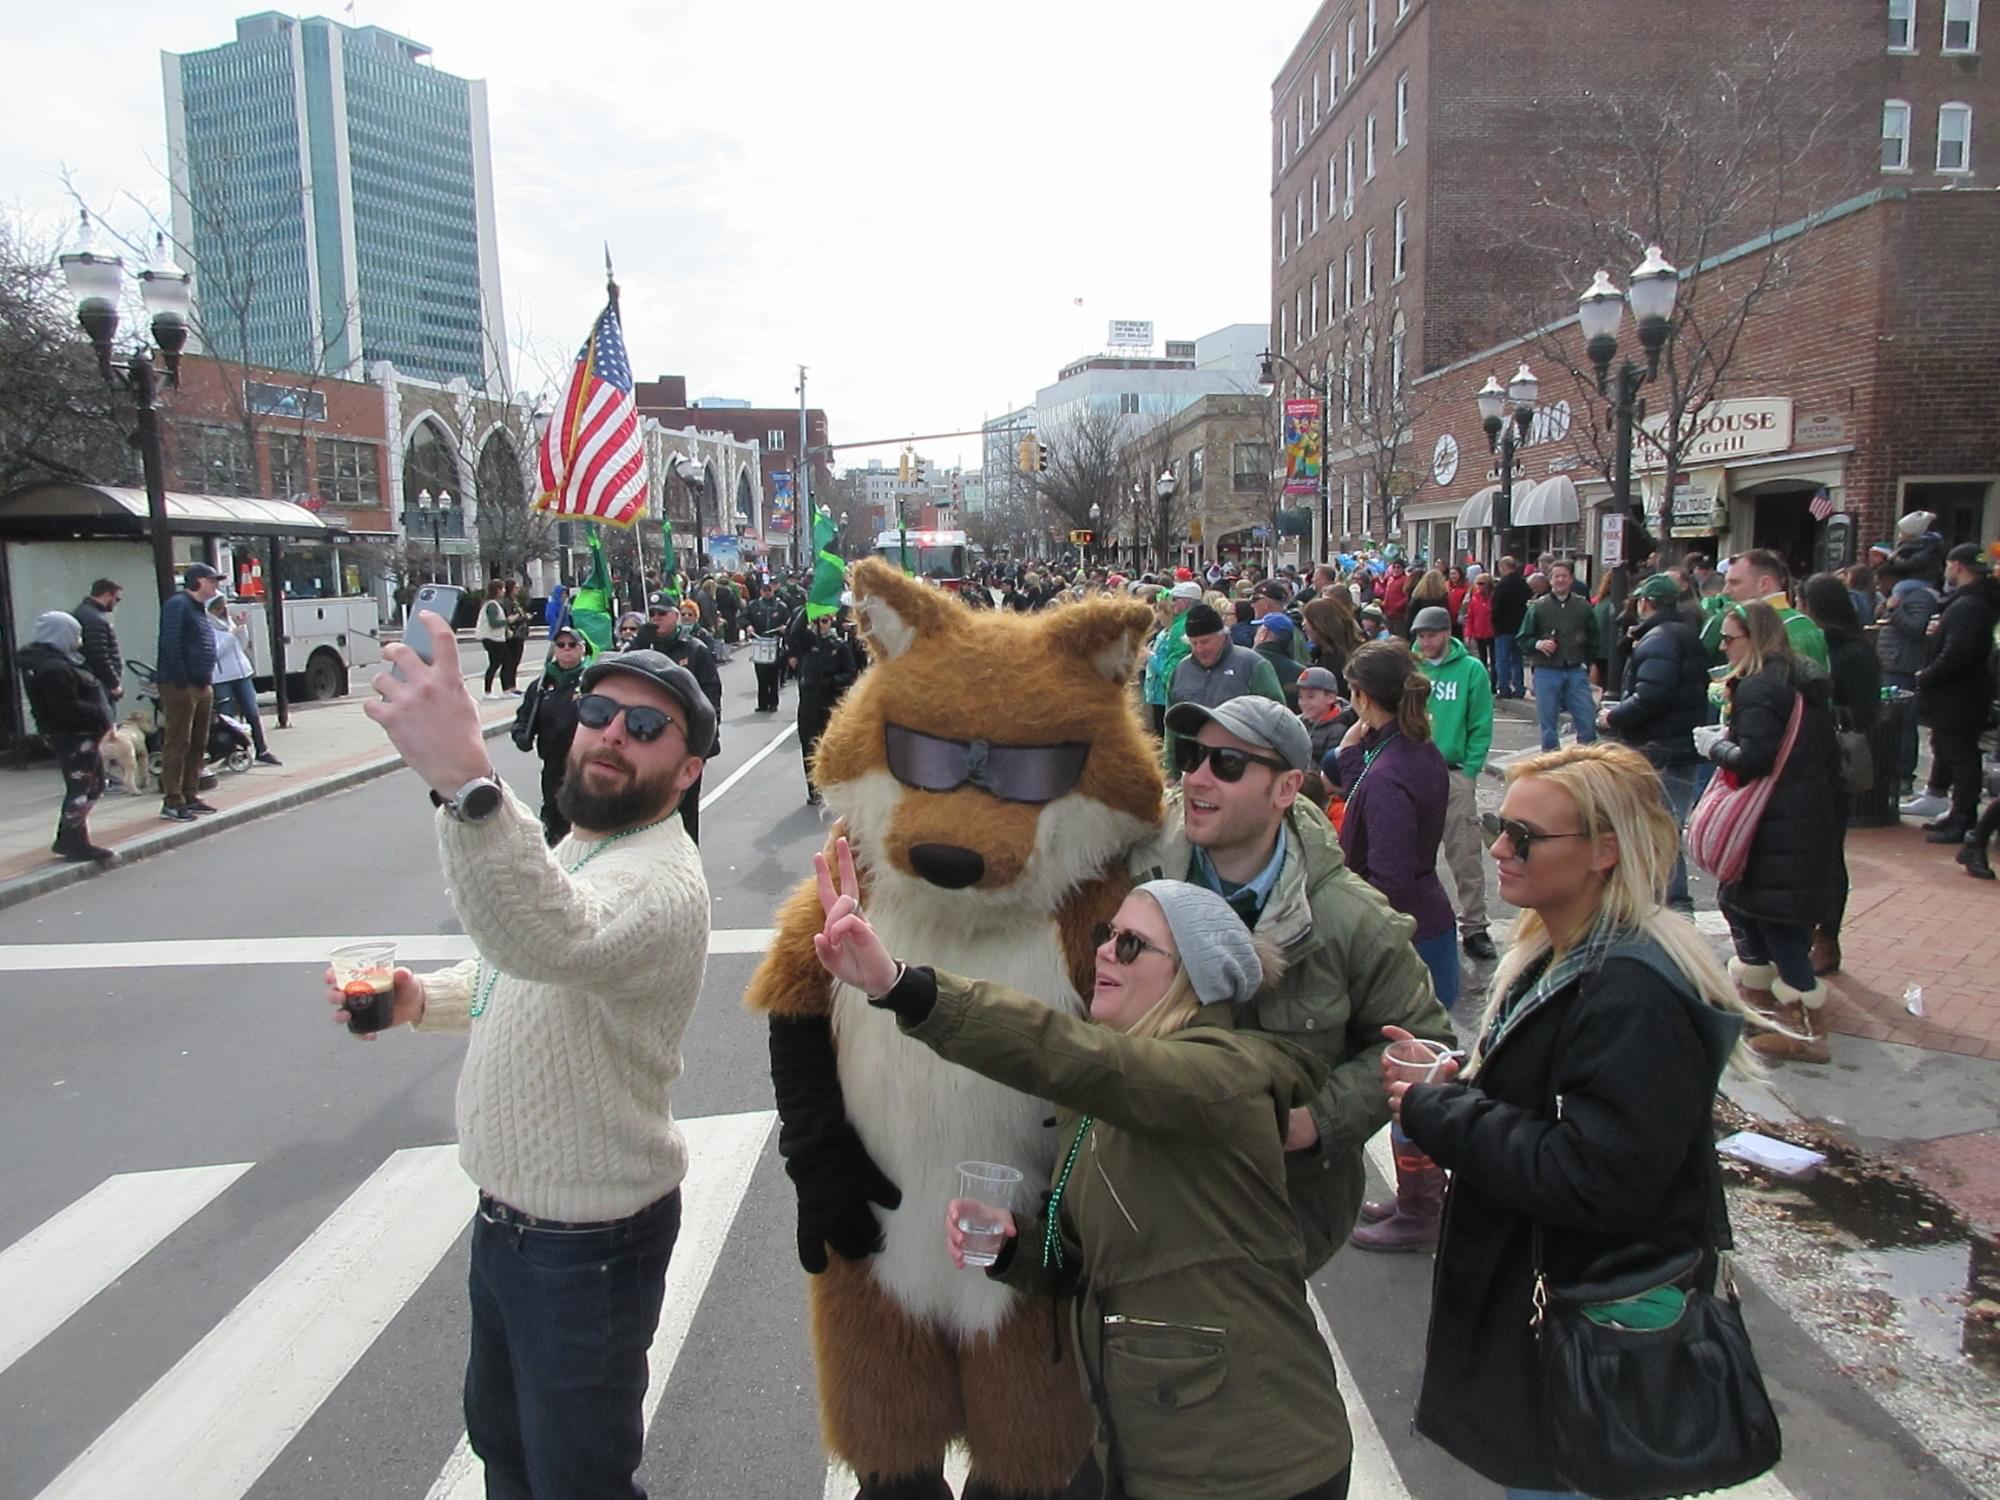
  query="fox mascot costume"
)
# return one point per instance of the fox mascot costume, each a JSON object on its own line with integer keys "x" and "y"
{"x": 992, "y": 775}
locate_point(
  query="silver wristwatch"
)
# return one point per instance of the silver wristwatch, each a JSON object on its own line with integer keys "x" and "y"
{"x": 475, "y": 802}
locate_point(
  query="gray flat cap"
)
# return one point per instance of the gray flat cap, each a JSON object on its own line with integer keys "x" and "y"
{"x": 1215, "y": 946}
{"x": 1255, "y": 721}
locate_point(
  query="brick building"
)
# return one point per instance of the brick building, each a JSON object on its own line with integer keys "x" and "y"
{"x": 1431, "y": 159}
{"x": 775, "y": 429}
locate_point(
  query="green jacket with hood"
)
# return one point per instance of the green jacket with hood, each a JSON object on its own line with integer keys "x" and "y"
{"x": 1461, "y": 708}
{"x": 1350, "y": 970}
{"x": 1178, "y": 1248}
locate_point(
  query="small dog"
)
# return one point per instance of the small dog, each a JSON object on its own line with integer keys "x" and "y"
{"x": 125, "y": 757}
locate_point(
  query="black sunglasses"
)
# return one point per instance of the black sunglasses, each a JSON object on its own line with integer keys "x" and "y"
{"x": 642, "y": 721}
{"x": 1226, "y": 761}
{"x": 1129, "y": 943}
{"x": 1013, "y": 773}
{"x": 1519, "y": 834}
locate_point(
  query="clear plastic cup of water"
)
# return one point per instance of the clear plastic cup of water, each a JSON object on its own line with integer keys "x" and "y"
{"x": 989, "y": 1191}
{"x": 1417, "y": 1060}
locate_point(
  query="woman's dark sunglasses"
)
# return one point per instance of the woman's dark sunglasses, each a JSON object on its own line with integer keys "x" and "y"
{"x": 1129, "y": 944}
{"x": 1519, "y": 834}
{"x": 1226, "y": 761}
{"x": 642, "y": 721}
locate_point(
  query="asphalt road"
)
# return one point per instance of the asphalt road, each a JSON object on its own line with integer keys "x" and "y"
{"x": 232, "y": 1241}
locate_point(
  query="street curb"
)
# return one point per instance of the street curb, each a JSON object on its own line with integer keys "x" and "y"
{"x": 55, "y": 877}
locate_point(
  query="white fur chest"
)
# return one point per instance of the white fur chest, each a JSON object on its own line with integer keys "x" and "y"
{"x": 920, "y": 1116}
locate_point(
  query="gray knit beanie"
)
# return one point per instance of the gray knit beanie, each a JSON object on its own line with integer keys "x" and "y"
{"x": 1215, "y": 946}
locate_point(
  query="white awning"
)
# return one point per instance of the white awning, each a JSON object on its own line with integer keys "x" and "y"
{"x": 1551, "y": 503}
{"x": 56, "y": 507}
{"x": 1477, "y": 513}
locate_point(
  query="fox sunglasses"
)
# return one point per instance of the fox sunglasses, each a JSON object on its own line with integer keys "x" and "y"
{"x": 1012, "y": 773}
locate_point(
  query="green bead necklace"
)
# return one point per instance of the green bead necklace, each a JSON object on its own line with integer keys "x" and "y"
{"x": 1052, "y": 1253}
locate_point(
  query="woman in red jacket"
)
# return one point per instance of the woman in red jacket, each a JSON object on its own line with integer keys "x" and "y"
{"x": 1456, "y": 588}
{"x": 1477, "y": 614}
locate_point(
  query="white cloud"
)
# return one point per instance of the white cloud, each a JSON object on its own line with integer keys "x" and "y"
{"x": 903, "y": 196}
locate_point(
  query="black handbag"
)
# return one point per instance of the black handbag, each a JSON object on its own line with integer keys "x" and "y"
{"x": 1645, "y": 1414}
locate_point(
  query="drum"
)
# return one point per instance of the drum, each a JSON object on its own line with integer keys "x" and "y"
{"x": 764, "y": 650}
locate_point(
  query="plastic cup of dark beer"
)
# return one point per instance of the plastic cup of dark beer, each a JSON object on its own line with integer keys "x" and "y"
{"x": 366, "y": 974}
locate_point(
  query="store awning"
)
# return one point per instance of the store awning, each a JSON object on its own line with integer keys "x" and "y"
{"x": 1477, "y": 513}
{"x": 1551, "y": 503}
{"x": 56, "y": 509}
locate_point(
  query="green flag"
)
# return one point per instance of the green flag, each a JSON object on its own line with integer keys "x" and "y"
{"x": 829, "y": 572}
{"x": 590, "y": 606}
{"x": 824, "y": 531}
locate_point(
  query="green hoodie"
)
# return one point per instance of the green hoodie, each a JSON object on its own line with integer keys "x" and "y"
{"x": 1461, "y": 708}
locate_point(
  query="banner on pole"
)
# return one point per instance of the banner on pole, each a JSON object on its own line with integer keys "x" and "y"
{"x": 1302, "y": 455}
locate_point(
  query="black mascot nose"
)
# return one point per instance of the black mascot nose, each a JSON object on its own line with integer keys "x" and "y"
{"x": 947, "y": 865}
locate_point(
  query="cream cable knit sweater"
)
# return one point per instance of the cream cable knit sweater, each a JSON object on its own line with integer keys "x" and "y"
{"x": 562, "y": 1106}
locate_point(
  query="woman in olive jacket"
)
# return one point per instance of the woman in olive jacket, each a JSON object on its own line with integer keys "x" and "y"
{"x": 1167, "y": 1227}
{"x": 1585, "y": 1114}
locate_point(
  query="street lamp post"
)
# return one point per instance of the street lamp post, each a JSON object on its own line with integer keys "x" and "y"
{"x": 1505, "y": 432}
{"x": 1600, "y": 311}
{"x": 96, "y": 280}
{"x": 1266, "y": 378}
{"x": 1163, "y": 492}
{"x": 1096, "y": 511}
{"x": 691, "y": 474}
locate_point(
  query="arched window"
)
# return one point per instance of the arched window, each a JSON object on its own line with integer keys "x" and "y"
{"x": 429, "y": 464}
{"x": 746, "y": 510}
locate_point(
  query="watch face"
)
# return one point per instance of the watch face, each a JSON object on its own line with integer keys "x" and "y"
{"x": 481, "y": 802}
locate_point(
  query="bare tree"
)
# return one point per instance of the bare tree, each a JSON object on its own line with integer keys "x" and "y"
{"x": 1146, "y": 457}
{"x": 1727, "y": 155}
{"x": 58, "y": 419}
{"x": 1376, "y": 409}
{"x": 1084, "y": 468}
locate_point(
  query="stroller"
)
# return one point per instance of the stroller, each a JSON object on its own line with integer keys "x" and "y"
{"x": 228, "y": 736}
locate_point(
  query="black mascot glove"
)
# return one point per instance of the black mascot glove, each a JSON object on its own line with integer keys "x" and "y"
{"x": 830, "y": 1168}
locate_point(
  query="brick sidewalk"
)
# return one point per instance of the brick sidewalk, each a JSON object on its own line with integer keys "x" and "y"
{"x": 1916, "y": 917}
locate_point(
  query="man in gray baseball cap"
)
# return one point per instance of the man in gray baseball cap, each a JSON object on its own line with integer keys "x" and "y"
{"x": 1237, "y": 825}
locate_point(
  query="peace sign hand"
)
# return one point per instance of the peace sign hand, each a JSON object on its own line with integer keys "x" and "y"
{"x": 847, "y": 946}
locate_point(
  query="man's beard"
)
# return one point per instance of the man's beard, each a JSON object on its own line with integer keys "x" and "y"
{"x": 636, "y": 801}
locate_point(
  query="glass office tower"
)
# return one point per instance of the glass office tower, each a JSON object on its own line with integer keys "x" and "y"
{"x": 333, "y": 193}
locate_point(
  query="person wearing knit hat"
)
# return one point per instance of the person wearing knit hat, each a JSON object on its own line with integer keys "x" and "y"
{"x": 1169, "y": 648}
{"x": 1174, "y": 1107}
{"x": 1216, "y": 670}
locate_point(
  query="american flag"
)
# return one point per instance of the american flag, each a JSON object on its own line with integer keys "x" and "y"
{"x": 593, "y": 464}
{"x": 1822, "y": 504}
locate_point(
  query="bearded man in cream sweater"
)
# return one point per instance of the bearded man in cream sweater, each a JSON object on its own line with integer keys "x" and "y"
{"x": 590, "y": 962}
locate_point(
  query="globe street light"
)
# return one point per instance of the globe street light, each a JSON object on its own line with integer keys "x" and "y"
{"x": 695, "y": 478}
{"x": 1505, "y": 432}
{"x": 1163, "y": 491}
{"x": 1096, "y": 511}
{"x": 96, "y": 279}
{"x": 1600, "y": 311}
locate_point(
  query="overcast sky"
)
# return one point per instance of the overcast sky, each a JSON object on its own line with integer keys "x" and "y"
{"x": 903, "y": 196}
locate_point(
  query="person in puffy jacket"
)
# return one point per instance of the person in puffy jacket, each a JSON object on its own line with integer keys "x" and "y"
{"x": 73, "y": 713}
{"x": 1786, "y": 887}
{"x": 186, "y": 676}
{"x": 546, "y": 721}
{"x": 1902, "y": 645}
{"x": 100, "y": 636}
{"x": 1666, "y": 696}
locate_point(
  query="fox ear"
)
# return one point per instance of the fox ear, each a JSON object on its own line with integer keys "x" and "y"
{"x": 892, "y": 609}
{"x": 1105, "y": 632}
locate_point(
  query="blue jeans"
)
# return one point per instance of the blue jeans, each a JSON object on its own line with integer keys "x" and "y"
{"x": 1559, "y": 688}
{"x": 556, "y": 1379}
{"x": 1678, "y": 783}
{"x": 1506, "y": 665}
{"x": 1440, "y": 956}
{"x": 238, "y": 698}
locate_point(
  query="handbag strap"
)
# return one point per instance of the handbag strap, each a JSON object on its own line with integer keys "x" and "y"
{"x": 1791, "y": 733}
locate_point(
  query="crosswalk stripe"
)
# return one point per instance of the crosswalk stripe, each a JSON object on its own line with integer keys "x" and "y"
{"x": 1374, "y": 1473}
{"x": 723, "y": 1151}
{"x": 749, "y": 765}
{"x": 212, "y": 1424}
{"x": 172, "y": 953}
{"x": 62, "y": 1263}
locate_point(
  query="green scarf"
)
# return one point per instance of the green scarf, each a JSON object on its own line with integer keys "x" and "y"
{"x": 556, "y": 675}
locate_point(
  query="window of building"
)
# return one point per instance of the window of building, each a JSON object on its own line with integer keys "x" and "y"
{"x": 1331, "y": 309}
{"x": 1896, "y": 136}
{"x": 1371, "y": 27}
{"x": 1298, "y": 317}
{"x": 1315, "y": 101}
{"x": 1402, "y": 110}
{"x": 1333, "y": 72}
{"x": 1398, "y": 342}
{"x": 1346, "y": 383}
{"x": 774, "y": 440}
{"x": 1128, "y": 403}
{"x": 1369, "y": 152}
{"x": 1954, "y": 149}
{"x": 1315, "y": 203}
{"x": 1368, "y": 266}
{"x": 1251, "y": 469}
{"x": 1401, "y": 262}
{"x": 1282, "y": 156}
{"x": 1315, "y": 307}
{"x": 1346, "y": 506}
{"x": 1961, "y": 25}
{"x": 1347, "y": 278}
{"x": 1332, "y": 183}
{"x": 290, "y": 477}
{"x": 347, "y": 473}
{"x": 1402, "y": 8}
{"x": 1284, "y": 235}
{"x": 1902, "y": 25}
{"x": 217, "y": 461}
{"x": 1353, "y": 51}
{"x": 1368, "y": 374}
{"x": 1347, "y": 171}
{"x": 1302, "y": 120}
{"x": 1282, "y": 325}
{"x": 1197, "y": 469}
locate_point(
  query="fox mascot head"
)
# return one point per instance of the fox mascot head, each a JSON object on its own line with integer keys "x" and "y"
{"x": 989, "y": 762}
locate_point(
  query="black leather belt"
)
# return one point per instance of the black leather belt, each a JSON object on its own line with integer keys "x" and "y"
{"x": 493, "y": 1211}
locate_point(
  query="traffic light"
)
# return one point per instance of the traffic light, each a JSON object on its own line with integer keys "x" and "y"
{"x": 1024, "y": 456}
{"x": 1041, "y": 458}
{"x": 903, "y": 467}
{"x": 917, "y": 469}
